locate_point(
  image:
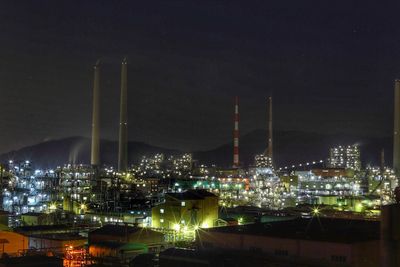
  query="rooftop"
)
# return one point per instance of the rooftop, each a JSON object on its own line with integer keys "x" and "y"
{"x": 319, "y": 229}
{"x": 33, "y": 214}
{"x": 191, "y": 195}
{"x": 118, "y": 230}
{"x": 54, "y": 227}
{"x": 60, "y": 236}
{"x": 123, "y": 246}
{"x": 34, "y": 260}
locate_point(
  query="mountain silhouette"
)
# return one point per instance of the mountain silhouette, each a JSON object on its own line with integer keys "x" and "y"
{"x": 290, "y": 147}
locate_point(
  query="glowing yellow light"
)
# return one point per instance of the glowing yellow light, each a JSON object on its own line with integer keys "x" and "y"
{"x": 204, "y": 225}
{"x": 196, "y": 227}
{"x": 316, "y": 211}
{"x": 53, "y": 206}
{"x": 83, "y": 206}
{"x": 359, "y": 207}
{"x": 177, "y": 227}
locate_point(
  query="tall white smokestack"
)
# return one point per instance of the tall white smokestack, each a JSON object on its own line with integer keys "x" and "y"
{"x": 95, "y": 149}
{"x": 123, "y": 120}
{"x": 396, "y": 133}
{"x": 270, "y": 134}
{"x": 236, "y": 163}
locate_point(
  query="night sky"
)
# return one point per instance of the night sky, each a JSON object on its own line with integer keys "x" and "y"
{"x": 330, "y": 66}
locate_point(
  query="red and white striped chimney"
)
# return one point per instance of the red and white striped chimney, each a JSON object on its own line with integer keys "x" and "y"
{"x": 236, "y": 135}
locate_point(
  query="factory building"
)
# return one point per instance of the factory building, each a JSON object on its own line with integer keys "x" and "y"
{"x": 32, "y": 261}
{"x": 125, "y": 234}
{"x": 36, "y": 218}
{"x": 333, "y": 172}
{"x": 185, "y": 210}
{"x": 56, "y": 242}
{"x": 121, "y": 243}
{"x": 265, "y": 160}
{"x": 345, "y": 157}
{"x": 262, "y": 161}
{"x": 299, "y": 242}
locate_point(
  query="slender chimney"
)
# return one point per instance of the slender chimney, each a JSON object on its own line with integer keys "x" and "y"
{"x": 396, "y": 136}
{"x": 123, "y": 120}
{"x": 382, "y": 160}
{"x": 270, "y": 134}
{"x": 236, "y": 135}
{"x": 95, "y": 151}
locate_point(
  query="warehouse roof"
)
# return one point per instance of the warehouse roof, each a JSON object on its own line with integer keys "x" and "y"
{"x": 191, "y": 195}
{"x": 319, "y": 229}
{"x": 117, "y": 230}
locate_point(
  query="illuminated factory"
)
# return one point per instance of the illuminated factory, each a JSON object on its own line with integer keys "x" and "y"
{"x": 130, "y": 192}
{"x": 345, "y": 157}
{"x": 176, "y": 196}
{"x": 343, "y": 184}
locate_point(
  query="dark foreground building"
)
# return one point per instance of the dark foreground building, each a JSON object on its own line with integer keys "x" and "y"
{"x": 32, "y": 261}
{"x": 118, "y": 244}
{"x": 298, "y": 242}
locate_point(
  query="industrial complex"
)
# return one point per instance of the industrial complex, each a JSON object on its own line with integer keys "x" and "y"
{"x": 171, "y": 210}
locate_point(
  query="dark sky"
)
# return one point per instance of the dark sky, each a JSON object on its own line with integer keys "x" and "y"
{"x": 329, "y": 65}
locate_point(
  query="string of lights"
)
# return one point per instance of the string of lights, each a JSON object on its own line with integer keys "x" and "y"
{"x": 310, "y": 163}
